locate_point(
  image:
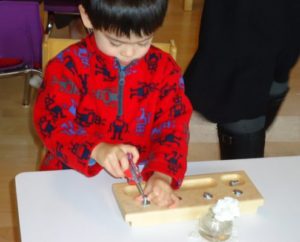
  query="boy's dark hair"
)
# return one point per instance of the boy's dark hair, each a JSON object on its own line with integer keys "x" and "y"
{"x": 126, "y": 16}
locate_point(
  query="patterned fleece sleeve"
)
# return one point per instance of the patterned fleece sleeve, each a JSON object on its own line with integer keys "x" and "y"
{"x": 56, "y": 119}
{"x": 170, "y": 133}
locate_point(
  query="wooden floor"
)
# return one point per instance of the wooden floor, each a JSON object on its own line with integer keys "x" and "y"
{"x": 19, "y": 145}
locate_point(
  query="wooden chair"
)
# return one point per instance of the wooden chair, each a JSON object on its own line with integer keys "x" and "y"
{"x": 52, "y": 46}
{"x": 188, "y": 5}
{"x": 57, "y": 7}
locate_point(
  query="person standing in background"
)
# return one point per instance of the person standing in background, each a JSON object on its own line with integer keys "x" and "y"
{"x": 238, "y": 77}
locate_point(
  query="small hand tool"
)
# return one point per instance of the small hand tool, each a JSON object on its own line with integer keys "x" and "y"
{"x": 134, "y": 176}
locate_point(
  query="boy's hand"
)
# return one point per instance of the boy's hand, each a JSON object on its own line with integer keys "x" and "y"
{"x": 114, "y": 157}
{"x": 159, "y": 191}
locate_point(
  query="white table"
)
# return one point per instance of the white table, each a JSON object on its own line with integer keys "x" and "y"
{"x": 65, "y": 206}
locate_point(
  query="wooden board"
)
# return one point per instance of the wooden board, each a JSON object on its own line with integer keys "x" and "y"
{"x": 193, "y": 204}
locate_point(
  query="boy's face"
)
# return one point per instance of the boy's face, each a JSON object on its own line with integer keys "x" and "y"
{"x": 123, "y": 48}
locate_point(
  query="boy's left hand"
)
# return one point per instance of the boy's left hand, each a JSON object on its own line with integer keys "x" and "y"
{"x": 159, "y": 191}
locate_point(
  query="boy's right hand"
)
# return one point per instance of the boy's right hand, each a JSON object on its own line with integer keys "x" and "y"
{"x": 114, "y": 157}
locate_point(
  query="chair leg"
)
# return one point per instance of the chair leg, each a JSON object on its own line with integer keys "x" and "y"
{"x": 50, "y": 23}
{"x": 27, "y": 91}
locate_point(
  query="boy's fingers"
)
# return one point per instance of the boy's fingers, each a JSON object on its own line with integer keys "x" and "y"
{"x": 115, "y": 167}
{"x": 175, "y": 201}
{"x": 135, "y": 154}
{"x": 107, "y": 166}
{"x": 152, "y": 192}
{"x": 151, "y": 196}
{"x": 147, "y": 189}
{"x": 164, "y": 199}
{"x": 123, "y": 159}
{"x": 131, "y": 149}
{"x": 155, "y": 196}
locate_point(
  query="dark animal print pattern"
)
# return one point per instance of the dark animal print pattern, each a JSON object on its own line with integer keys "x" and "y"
{"x": 87, "y": 98}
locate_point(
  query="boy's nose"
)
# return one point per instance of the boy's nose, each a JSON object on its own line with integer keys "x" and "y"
{"x": 127, "y": 52}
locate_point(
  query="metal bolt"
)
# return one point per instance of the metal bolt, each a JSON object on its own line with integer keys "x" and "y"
{"x": 207, "y": 196}
{"x": 234, "y": 183}
{"x": 237, "y": 192}
{"x": 145, "y": 201}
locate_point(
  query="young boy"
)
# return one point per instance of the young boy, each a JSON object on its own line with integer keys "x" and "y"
{"x": 113, "y": 94}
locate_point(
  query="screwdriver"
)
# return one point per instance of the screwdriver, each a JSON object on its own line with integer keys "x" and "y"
{"x": 136, "y": 178}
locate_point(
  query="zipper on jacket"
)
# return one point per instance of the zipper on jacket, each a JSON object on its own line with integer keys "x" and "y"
{"x": 122, "y": 74}
{"x": 123, "y": 70}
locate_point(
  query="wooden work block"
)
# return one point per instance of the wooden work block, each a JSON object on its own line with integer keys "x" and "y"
{"x": 198, "y": 193}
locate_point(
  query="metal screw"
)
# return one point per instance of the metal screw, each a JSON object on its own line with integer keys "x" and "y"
{"x": 237, "y": 192}
{"x": 145, "y": 201}
{"x": 234, "y": 183}
{"x": 207, "y": 196}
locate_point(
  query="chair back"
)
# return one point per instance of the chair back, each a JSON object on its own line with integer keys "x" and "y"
{"x": 61, "y": 6}
{"x": 168, "y": 47}
{"x": 21, "y": 31}
{"x": 52, "y": 46}
{"x": 56, "y": 7}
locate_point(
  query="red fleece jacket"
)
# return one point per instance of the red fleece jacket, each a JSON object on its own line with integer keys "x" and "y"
{"x": 87, "y": 98}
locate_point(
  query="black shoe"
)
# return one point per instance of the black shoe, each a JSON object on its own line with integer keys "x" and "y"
{"x": 239, "y": 146}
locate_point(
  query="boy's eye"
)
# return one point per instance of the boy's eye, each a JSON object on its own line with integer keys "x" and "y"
{"x": 146, "y": 43}
{"x": 116, "y": 44}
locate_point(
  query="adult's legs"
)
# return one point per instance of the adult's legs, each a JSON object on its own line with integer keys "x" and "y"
{"x": 285, "y": 60}
{"x": 278, "y": 93}
{"x": 242, "y": 139}
{"x": 246, "y": 138}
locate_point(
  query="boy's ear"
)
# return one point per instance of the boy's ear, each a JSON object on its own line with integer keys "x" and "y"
{"x": 85, "y": 18}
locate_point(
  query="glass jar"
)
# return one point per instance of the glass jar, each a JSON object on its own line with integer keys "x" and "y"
{"x": 214, "y": 230}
